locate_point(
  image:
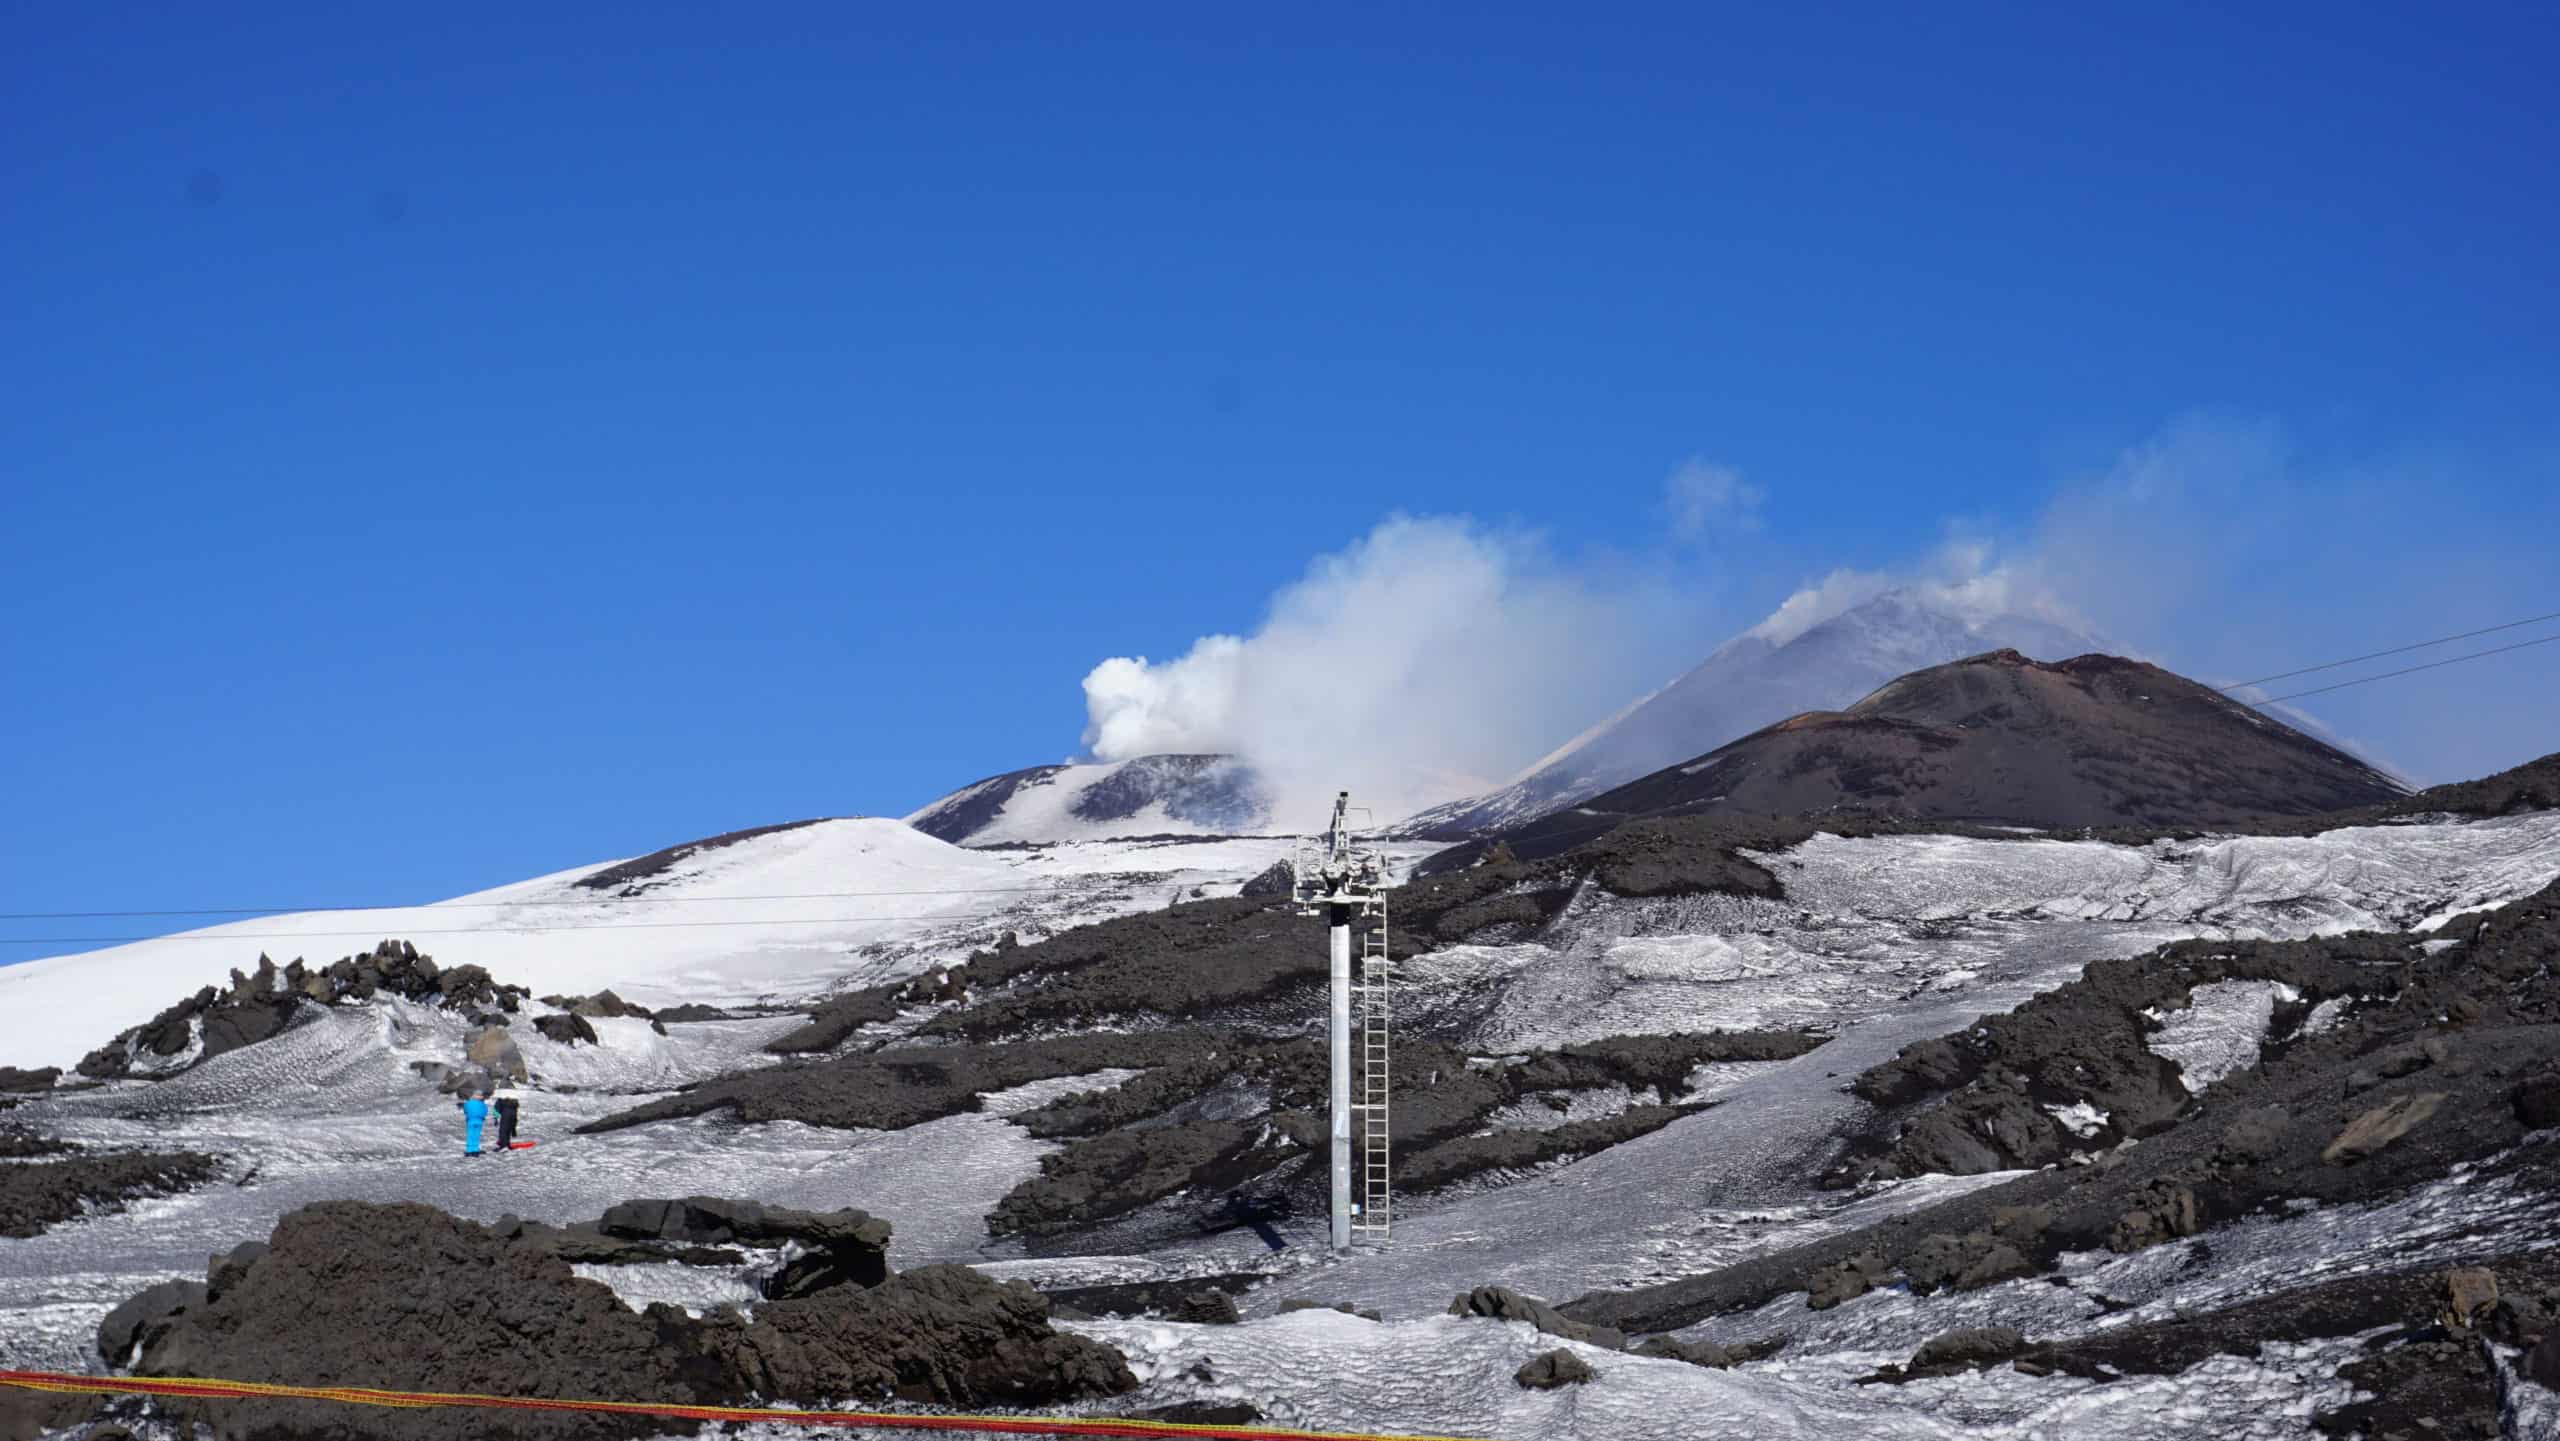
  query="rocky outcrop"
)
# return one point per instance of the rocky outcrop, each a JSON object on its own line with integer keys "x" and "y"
{"x": 890, "y": 1090}
{"x": 1951, "y": 1352}
{"x": 605, "y": 1005}
{"x": 37, "y": 1195}
{"x": 2425, "y": 1073}
{"x": 260, "y": 1005}
{"x": 1550, "y": 1370}
{"x": 1846, "y": 1280}
{"x": 22, "y": 1145}
{"x": 146, "y": 1315}
{"x": 1708, "y": 1353}
{"x": 493, "y": 1052}
{"x": 844, "y": 1248}
{"x": 1965, "y": 1262}
{"x": 461, "y": 1299}
{"x": 567, "y": 1030}
{"x": 832, "y": 1022}
{"x": 1437, "y": 1166}
{"x": 1112, "y": 1174}
{"x": 1346, "y": 1308}
{"x": 1280, "y": 878}
{"x": 1501, "y": 1303}
{"x": 2381, "y": 1126}
{"x": 17, "y": 1082}
{"x": 1662, "y": 1063}
{"x": 935, "y": 1334}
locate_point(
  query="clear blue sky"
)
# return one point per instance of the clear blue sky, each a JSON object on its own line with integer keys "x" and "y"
{"x": 443, "y": 447}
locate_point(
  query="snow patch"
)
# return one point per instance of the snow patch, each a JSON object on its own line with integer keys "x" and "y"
{"x": 2220, "y": 1031}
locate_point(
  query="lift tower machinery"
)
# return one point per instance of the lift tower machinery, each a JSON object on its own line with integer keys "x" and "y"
{"x": 1347, "y": 882}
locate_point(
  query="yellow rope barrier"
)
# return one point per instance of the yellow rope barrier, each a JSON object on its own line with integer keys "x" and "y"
{"x": 198, "y": 1388}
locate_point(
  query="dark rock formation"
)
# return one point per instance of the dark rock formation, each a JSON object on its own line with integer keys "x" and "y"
{"x": 1550, "y": 1370}
{"x": 2087, "y": 1042}
{"x": 1501, "y": 1303}
{"x": 1709, "y": 1354}
{"x": 2543, "y": 1366}
{"x": 1155, "y": 1298}
{"x": 35, "y": 1195}
{"x": 21, "y": 1145}
{"x": 1663, "y": 1062}
{"x": 1951, "y": 1352}
{"x": 1965, "y": 1262}
{"x": 938, "y": 1333}
{"x": 1208, "y": 1308}
{"x": 2316, "y": 1121}
{"x": 259, "y": 1006}
{"x": 713, "y": 1220}
{"x": 1279, "y": 879}
{"x": 605, "y": 1005}
{"x": 17, "y": 1082}
{"x": 567, "y": 1030}
{"x": 1452, "y": 1161}
{"x": 680, "y": 1015}
{"x": 1115, "y": 1173}
{"x": 832, "y": 1021}
{"x": 1346, "y": 1308}
{"x": 462, "y": 1299}
{"x": 1846, "y": 1280}
{"x": 1222, "y": 957}
{"x": 893, "y": 1089}
{"x": 144, "y": 1315}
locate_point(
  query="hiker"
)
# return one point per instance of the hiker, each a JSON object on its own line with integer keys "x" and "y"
{"x": 475, "y": 1111}
{"x": 507, "y": 1104}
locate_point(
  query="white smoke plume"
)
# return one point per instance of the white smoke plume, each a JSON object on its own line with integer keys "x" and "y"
{"x": 1427, "y": 661}
{"x": 1436, "y": 657}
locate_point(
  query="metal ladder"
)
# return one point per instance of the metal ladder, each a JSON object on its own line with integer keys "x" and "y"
{"x": 1370, "y": 999}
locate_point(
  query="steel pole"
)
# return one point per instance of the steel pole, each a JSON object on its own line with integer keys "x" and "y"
{"x": 1341, "y": 917}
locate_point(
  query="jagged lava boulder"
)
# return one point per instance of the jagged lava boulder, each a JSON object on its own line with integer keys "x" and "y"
{"x": 407, "y": 1297}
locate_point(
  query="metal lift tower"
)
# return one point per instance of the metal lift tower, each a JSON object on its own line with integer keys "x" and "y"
{"x": 1347, "y": 881}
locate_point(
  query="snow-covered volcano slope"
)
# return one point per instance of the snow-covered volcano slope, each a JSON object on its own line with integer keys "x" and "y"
{"x": 777, "y": 914}
{"x": 1147, "y": 796}
{"x": 1774, "y": 670}
{"x": 1881, "y": 940}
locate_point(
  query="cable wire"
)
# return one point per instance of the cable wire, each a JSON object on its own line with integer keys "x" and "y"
{"x": 502, "y": 905}
{"x": 2395, "y": 650}
{"x": 407, "y": 931}
{"x": 2412, "y": 670}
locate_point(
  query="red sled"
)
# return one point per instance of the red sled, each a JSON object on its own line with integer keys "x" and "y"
{"x": 521, "y": 1145}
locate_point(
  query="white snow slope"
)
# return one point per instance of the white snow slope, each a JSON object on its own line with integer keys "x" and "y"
{"x": 1879, "y": 941}
{"x": 1759, "y": 677}
{"x": 777, "y": 917}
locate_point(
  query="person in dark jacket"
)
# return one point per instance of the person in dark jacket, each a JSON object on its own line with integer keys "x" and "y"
{"x": 508, "y": 1104}
{"x": 475, "y": 1111}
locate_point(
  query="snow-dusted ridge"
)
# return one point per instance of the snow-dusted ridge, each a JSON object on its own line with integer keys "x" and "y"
{"x": 776, "y": 917}
{"x": 1145, "y": 796}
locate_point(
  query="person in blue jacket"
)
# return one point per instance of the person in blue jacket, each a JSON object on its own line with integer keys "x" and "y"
{"x": 475, "y": 1111}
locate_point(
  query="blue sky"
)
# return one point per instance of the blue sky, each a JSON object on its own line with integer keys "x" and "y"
{"x": 444, "y": 447}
